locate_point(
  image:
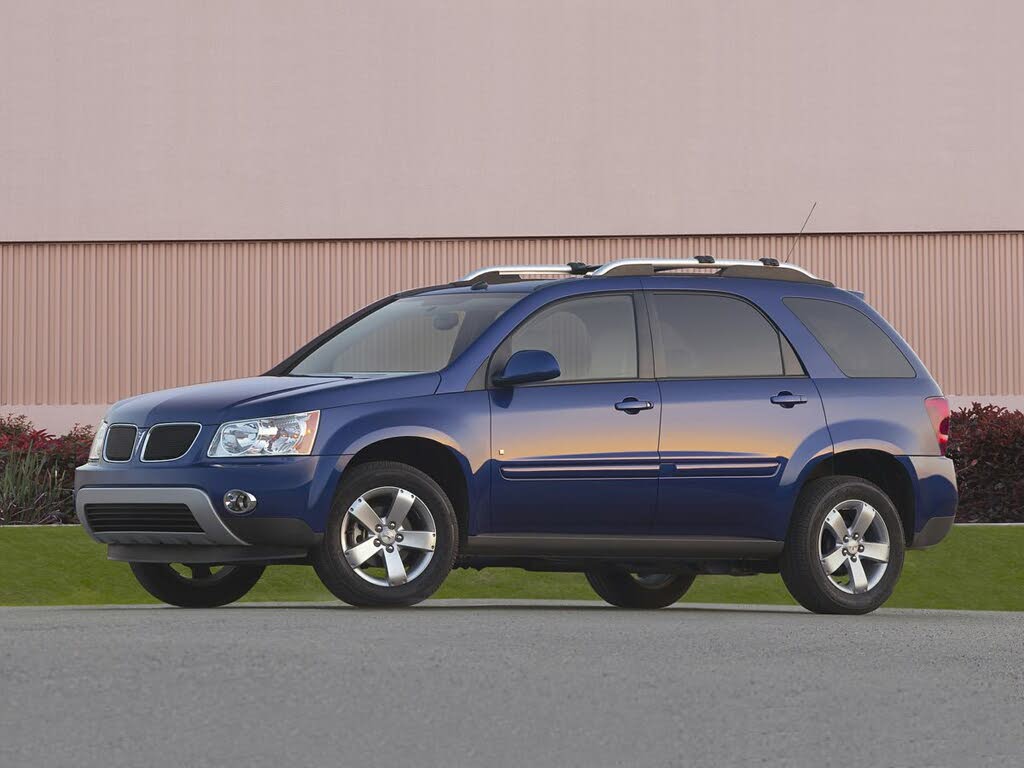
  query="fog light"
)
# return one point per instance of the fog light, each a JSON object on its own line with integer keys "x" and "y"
{"x": 239, "y": 502}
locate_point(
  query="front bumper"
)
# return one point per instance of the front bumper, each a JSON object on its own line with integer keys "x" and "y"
{"x": 214, "y": 531}
{"x": 294, "y": 496}
{"x": 218, "y": 541}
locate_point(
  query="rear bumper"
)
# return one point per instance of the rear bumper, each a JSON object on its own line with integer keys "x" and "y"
{"x": 935, "y": 498}
{"x": 934, "y": 531}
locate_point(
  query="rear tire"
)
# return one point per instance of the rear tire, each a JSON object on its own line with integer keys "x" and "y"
{"x": 206, "y": 589}
{"x": 627, "y": 590}
{"x": 844, "y": 552}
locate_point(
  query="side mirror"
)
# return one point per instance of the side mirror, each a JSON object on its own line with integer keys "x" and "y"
{"x": 527, "y": 366}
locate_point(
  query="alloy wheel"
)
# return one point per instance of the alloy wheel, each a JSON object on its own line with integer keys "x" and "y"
{"x": 854, "y": 546}
{"x": 388, "y": 536}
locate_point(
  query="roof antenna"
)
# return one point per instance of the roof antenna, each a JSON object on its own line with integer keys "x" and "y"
{"x": 793, "y": 245}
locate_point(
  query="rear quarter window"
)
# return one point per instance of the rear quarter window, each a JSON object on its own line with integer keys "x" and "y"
{"x": 852, "y": 339}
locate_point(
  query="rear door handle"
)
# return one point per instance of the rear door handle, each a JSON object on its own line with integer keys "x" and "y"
{"x": 788, "y": 399}
{"x": 632, "y": 405}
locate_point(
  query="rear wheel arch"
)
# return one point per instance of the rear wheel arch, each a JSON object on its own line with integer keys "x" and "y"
{"x": 879, "y": 467}
{"x": 439, "y": 461}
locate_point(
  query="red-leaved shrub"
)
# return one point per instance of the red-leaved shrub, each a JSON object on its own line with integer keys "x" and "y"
{"x": 37, "y": 471}
{"x": 986, "y": 444}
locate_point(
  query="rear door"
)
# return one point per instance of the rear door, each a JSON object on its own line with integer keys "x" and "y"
{"x": 578, "y": 455}
{"x": 737, "y": 410}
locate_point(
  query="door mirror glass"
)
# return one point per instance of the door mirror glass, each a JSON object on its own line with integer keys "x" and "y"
{"x": 527, "y": 366}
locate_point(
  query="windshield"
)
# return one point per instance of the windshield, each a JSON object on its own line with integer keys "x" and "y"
{"x": 412, "y": 335}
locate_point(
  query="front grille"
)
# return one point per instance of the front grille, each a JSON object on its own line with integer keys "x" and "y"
{"x": 149, "y": 518}
{"x": 167, "y": 442}
{"x": 120, "y": 442}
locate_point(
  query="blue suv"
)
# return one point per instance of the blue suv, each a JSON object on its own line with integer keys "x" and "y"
{"x": 642, "y": 422}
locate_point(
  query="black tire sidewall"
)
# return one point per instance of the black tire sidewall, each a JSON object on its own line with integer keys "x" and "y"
{"x": 824, "y": 596}
{"x": 618, "y": 588}
{"x": 329, "y": 557}
{"x": 166, "y": 585}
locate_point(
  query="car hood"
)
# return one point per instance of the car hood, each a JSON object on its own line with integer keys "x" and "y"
{"x": 221, "y": 401}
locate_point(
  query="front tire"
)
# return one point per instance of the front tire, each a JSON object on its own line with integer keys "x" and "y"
{"x": 844, "y": 552}
{"x": 391, "y": 538}
{"x": 629, "y": 590}
{"x": 205, "y": 588}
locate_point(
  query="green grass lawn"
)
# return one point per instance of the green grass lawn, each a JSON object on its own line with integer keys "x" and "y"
{"x": 979, "y": 568}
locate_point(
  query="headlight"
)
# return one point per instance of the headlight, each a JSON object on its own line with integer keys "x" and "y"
{"x": 290, "y": 435}
{"x": 97, "y": 442}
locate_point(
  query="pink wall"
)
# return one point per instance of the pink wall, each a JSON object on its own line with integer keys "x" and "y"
{"x": 89, "y": 324}
{"x": 249, "y": 119}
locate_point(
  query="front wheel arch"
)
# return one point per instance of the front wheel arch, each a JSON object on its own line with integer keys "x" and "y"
{"x": 444, "y": 465}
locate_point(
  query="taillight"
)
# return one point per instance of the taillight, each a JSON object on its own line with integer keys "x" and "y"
{"x": 938, "y": 411}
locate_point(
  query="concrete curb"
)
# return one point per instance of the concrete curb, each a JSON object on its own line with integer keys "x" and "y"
{"x": 512, "y": 604}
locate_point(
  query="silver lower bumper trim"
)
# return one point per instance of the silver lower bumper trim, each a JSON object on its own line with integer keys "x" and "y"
{"x": 213, "y": 555}
{"x": 214, "y": 530}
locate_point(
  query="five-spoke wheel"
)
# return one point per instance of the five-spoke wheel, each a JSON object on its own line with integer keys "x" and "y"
{"x": 845, "y": 546}
{"x": 854, "y": 546}
{"x": 391, "y": 536}
{"x": 388, "y": 529}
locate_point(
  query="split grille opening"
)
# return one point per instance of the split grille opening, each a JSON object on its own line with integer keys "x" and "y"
{"x": 120, "y": 442}
{"x": 167, "y": 442}
{"x": 149, "y": 518}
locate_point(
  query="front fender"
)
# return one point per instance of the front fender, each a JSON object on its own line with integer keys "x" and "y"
{"x": 460, "y": 421}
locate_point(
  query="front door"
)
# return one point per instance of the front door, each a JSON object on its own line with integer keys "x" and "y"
{"x": 737, "y": 410}
{"x": 577, "y": 455}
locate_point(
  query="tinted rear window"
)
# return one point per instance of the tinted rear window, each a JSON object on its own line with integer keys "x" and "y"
{"x": 852, "y": 339}
{"x": 707, "y": 336}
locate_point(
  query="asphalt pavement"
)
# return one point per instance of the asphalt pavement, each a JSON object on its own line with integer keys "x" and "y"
{"x": 510, "y": 683}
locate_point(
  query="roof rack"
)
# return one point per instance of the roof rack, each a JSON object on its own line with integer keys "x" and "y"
{"x": 765, "y": 267}
{"x": 653, "y": 266}
{"x": 489, "y": 274}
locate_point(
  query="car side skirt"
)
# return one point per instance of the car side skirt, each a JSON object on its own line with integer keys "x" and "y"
{"x": 620, "y": 547}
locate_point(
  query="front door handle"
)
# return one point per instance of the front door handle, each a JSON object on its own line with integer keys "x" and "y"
{"x": 788, "y": 399}
{"x": 632, "y": 405}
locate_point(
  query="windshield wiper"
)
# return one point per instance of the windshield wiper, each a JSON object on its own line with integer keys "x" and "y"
{"x": 322, "y": 375}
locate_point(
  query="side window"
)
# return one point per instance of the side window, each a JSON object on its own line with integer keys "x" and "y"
{"x": 859, "y": 347}
{"x": 707, "y": 336}
{"x": 593, "y": 337}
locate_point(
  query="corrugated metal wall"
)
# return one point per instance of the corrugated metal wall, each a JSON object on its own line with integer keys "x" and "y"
{"x": 92, "y": 323}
